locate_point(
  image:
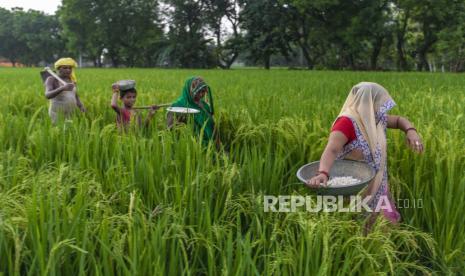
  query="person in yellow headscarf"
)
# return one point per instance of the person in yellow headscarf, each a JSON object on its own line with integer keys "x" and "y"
{"x": 64, "y": 99}
{"x": 359, "y": 133}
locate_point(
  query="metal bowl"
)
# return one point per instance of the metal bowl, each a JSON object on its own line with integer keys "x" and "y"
{"x": 125, "y": 85}
{"x": 185, "y": 110}
{"x": 356, "y": 169}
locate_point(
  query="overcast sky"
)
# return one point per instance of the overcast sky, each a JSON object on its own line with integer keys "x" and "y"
{"x": 47, "y": 6}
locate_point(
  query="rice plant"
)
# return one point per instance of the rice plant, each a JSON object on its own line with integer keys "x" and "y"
{"x": 81, "y": 198}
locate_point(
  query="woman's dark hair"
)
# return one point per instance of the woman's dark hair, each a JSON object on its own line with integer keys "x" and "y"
{"x": 122, "y": 93}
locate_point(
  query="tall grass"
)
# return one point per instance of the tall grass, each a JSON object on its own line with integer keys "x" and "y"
{"x": 81, "y": 198}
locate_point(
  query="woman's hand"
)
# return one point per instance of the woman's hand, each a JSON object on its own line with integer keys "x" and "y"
{"x": 414, "y": 141}
{"x": 336, "y": 142}
{"x": 317, "y": 180}
{"x": 67, "y": 87}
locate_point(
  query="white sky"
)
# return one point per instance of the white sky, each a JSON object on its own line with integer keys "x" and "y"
{"x": 47, "y": 6}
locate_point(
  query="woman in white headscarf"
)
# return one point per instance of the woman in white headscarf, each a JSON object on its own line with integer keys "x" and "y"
{"x": 359, "y": 133}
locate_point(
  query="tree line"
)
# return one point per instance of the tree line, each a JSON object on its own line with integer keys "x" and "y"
{"x": 314, "y": 34}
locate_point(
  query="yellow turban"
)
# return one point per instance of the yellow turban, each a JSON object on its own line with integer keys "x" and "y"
{"x": 67, "y": 62}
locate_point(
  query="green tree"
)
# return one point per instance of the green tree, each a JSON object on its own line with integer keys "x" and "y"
{"x": 305, "y": 30}
{"x": 450, "y": 48}
{"x": 9, "y": 45}
{"x": 41, "y": 35}
{"x": 222, "y": 17}
{"x": 188, "y": 45}
{"x": 81, "y": 22}
{"x": 401, "y": 12}
{"x": 264, "y": 23}
{"x": 128, "y": 32}
{"x": 339, "y": 33}
{"x": 430, "y": 17}
{"x": 132, "y": 31}
{"x": 30, "y": 36}
{"x": 371, "y": 28}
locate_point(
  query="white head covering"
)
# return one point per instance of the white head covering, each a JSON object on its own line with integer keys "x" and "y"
{"x": 363, "y": 105}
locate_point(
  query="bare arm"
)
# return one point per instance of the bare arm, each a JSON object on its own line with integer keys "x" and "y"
{"x": 172, "y": 119}
{"x": 114, "y": 99}
{"x": 336, "y": 142}
{"x": 398, "y": 122}
{"x": 79, "y": 103}
{"x": 169, "y": 120}
{"x": 50, "y": 90}
{"x": 402, "y": 123}
{"x": 152, "y": 111}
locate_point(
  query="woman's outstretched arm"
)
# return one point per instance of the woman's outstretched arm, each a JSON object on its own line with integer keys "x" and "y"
{"x": 336, "y": 142}
{"x": 402, "y": 123}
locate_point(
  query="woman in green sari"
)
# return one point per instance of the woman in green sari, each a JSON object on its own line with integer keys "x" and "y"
{"x": 198, "y": 95}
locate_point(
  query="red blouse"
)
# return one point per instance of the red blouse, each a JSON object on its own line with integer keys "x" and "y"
{"x": 344, "y": 125}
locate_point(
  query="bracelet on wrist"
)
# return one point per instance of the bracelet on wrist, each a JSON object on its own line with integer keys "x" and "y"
{"x": 410, "y": 128}
{"x": 325, "y": 173}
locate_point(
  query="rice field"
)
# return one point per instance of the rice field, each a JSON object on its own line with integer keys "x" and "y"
{"x": 81, "y": 199}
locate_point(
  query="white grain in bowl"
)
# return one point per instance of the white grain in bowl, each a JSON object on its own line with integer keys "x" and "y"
{"x": 343, "y": 181}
